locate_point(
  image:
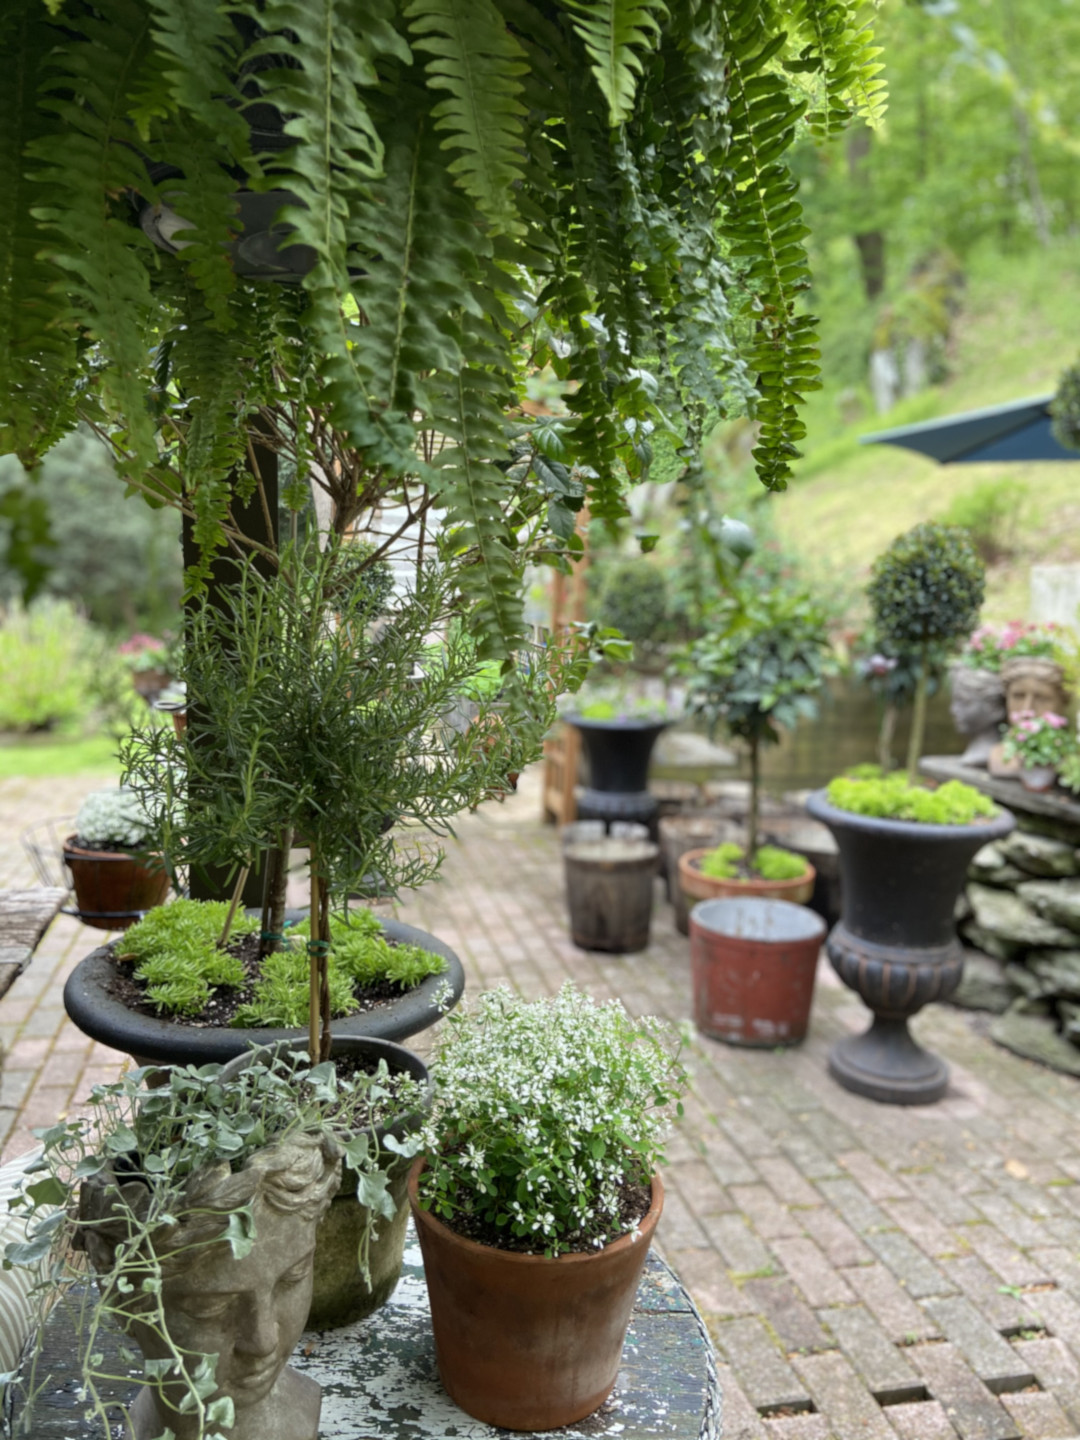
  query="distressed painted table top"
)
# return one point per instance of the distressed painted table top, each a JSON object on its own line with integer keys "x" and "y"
{"x": 25, "y": 915}
{"x": 380, "y": 1382}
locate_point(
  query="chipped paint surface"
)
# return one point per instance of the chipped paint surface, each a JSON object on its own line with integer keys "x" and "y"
{"x": 380, "y": 1381}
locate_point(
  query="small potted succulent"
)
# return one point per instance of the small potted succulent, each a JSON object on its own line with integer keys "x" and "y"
{"x": 1039, "y": 744}
{"x": 537, "y": 1196}
{"x": 115, "y": 881}
{"x": 197, "y": 1199}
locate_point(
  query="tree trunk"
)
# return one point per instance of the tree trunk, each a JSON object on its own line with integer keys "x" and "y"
{"x": 886, "y": 736}
{"x": 755, "y": 802}
{"x": 870, "y": 243}
{"x": 918, "y": 720}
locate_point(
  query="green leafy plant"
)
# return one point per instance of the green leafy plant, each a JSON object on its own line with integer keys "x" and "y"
{"x": 991, "y": 645}
{"x": 543, "y": 1111}
{"x": 634, "y": 600}
{"x": 1039, "y": 739}
{"x": 48, "y": 656}
{"x": 487, "y": 186}
{"x": 758, "y": 673}
{"x": 769, "y": 863}
{"x": 129, "y": 1177}
{"x": 890, "y": 797}
{"x": 925, "y": 591}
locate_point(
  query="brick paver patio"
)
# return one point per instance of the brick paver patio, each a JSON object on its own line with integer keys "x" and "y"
{"x": 867, "y": 1273}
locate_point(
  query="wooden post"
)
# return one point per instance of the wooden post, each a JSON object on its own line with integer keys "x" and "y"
{"x": 562, "y": 749}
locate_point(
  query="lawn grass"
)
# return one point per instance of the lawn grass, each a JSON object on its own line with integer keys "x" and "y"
{"x": 39, "y": 757}
{"x": 1017, "y": 332}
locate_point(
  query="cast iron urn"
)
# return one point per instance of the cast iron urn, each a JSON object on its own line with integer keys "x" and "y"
{"x": 896, "y": 943}
{"x": 618, "y": 754}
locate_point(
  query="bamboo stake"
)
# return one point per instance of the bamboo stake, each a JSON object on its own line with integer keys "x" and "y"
{"x": 313, "y": 961}
{"x": 238, "y": 890}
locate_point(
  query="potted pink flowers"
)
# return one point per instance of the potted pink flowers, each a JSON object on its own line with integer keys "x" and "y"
{"x": 1040, "y": 743}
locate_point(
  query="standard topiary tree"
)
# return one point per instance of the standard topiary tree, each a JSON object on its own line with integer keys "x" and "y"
{"x": 634, "y": 600}
{"x": 925, "y": 592}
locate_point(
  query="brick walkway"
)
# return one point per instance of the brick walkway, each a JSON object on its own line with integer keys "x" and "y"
{"x": 867, "y": 1273}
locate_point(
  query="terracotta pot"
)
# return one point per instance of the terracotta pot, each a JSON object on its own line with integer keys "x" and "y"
{"x": 702, "y": 887}
{"x": 753, "y": 963}
{"x": 149, "y": 683}
{"x": 1038, "y": 778}
{"x": 112, "y": 889}
{"x": 523, "y": 1342}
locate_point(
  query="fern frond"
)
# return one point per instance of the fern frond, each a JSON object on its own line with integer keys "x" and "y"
{"x": 37, "y": 341}
{"x": 477, "y": 62}
{"x": 615, "y": 32}
{"x": 843, "y": 53}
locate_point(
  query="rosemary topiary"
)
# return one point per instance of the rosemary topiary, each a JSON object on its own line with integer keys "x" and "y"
{"x": 925, "y": 592}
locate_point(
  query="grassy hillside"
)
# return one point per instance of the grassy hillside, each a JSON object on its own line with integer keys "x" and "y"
{"x": 1019, "y": 327}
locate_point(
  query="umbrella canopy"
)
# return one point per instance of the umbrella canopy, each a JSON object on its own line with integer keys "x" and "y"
{"x": 1019, "y": 431}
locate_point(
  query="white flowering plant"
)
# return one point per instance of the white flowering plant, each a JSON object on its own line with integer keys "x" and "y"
{"x": 112, "y": 820}
{"x": 546, "y": 1113}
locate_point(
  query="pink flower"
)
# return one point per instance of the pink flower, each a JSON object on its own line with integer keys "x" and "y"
{"x": 1056, "y": 722}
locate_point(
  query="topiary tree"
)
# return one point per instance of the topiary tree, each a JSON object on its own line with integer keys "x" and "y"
{"x": 760, "y": 675}
{"x": 925, "y": 592}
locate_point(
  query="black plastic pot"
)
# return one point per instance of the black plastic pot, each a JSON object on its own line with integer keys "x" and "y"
{"x": 340, "y": 1295}
{"x": 895, "y": 943}
{"x": 149, "y": 1038}
{"x": 618, "y": 754}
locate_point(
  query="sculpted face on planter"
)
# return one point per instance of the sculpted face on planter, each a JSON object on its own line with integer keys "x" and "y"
{"x": 977, "y": 708}
{"x": 250, "y": 1312}
{"x": 1034, "y": 685}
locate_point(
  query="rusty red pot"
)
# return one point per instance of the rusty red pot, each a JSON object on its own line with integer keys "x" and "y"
{"x": 524, "y": 1342}
{"x": 753, "y": 963}
{"x": 113, "y": 889}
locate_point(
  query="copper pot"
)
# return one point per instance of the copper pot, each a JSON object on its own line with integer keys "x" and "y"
{"x": 113, "y": 889}
{"x": 524, "y": 1342}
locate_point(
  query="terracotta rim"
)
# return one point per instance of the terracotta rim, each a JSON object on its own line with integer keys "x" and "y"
{"x": 646, "y": 1227}
{"x": 690, "y": 870}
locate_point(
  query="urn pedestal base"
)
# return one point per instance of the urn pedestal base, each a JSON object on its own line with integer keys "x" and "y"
{"x": 887, "y": 1063}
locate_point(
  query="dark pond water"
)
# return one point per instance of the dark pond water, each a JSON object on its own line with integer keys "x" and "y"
{"x": 844, "y": 733}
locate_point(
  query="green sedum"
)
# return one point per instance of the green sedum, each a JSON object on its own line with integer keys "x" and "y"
{"x": 890, "y": 797}
{"x": 770, "y": 863}
{"x": 177, "y": 957}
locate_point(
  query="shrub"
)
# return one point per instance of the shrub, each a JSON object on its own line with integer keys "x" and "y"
{"x": 48, "y": 655}
{"x": 634, "y": 600}
{"x": 988, "y": 512}
{"x": 890, "y": 797}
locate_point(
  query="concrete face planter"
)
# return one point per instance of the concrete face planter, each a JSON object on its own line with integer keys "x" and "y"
{"x": 340, "y": 1295}
{"x": 523, "y": 1342}
{"x": 99, "y": 1014}
{"x": 753, "y": 963}
{"x": 618, "y": 752}
{"x": 249, "y": 1312}
{"x": 896, "y": 943}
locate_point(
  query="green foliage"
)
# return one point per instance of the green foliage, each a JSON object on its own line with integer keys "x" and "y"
{"x": 989, "y": 512}
{"x": 176, "y": 953}
{"x": 761, "y": 675}
{"x": 48, "y": 656}
{"x": 890, "y": 797}
{"x": 634, "y": 600}
{"x": 481, "y": 189}
{"x": 927, "y": 588}
{"x": 1045, "y": 739}
{"x": 543, "y": 1109}
{"x": 769, "y": 863}
{"x": 1065, "y": 408}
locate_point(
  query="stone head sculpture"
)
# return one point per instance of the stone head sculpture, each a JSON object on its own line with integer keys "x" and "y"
{"x": 1035, "y": 685}
{"x": 249, "y": 1312}
{"x": 978, "y": 710}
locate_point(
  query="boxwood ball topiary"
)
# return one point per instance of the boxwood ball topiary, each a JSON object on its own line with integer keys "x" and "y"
{"x": 927, "y": 587}
{"x": 634, "y": 600}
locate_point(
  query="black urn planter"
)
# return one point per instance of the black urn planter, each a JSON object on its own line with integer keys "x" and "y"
{"x": 618, "y": 754}
{"x": 895, "y": 943}
{"x": 89, "y": 1000}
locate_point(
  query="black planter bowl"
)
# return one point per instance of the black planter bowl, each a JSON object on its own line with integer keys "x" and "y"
{"x": 618, "y": 754}
{"x": 150, "y": 1038}
{"x": 895, "y": 943}
{"x": 340, "y": 1295}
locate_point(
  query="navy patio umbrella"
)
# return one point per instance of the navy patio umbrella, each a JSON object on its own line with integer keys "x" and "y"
{"x": 1018, "y": 431}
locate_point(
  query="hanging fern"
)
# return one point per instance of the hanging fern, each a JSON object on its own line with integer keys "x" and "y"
{"x": 477, "y": 62}
{"x": 842, "y": 52}
{"x": 615, "y": 32}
